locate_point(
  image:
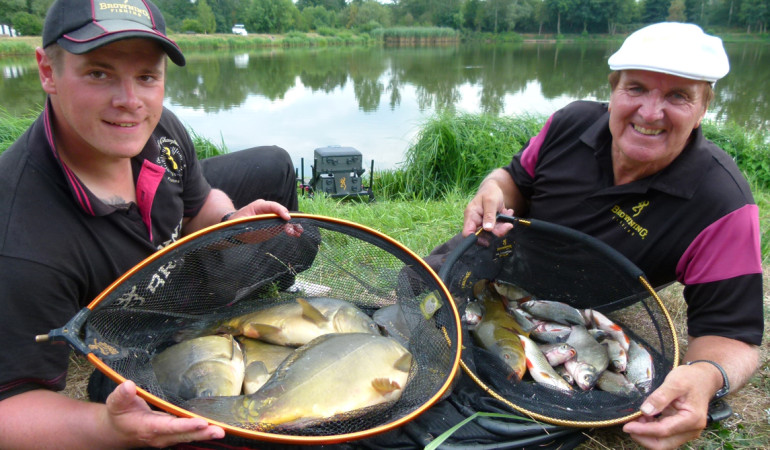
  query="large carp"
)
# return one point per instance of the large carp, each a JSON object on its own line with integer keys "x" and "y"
{"x": 334, "y": 375}
{"x": 260, "y": 359}
{"x": 299, "y": 322}
{"x": 201, "y": 367}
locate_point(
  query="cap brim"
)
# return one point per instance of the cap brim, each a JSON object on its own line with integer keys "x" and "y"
{"x": 91, "y": 37}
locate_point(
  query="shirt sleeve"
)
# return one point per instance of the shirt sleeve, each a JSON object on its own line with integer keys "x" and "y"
{"x": 35, "y": 299}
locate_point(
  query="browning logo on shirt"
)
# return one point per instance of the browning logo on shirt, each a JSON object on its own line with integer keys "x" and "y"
{"x": 170, "y": 157}
{"x": 627, "y": 222}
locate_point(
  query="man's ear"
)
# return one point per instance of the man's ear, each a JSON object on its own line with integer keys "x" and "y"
{"x": 45, "y": 71}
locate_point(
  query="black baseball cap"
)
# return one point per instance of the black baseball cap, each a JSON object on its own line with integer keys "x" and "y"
{"x": 80, "y": 26}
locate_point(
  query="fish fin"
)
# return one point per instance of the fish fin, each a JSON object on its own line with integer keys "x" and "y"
{"x": 311, "y": 313}
{"x": 404, "y": 363}
{"x": 258, "y": 330}
{"x": 384, "y": 385}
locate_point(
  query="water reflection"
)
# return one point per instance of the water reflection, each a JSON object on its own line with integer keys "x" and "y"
{"x": 375, "y": 99}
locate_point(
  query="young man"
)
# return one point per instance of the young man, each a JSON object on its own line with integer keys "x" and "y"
{"x": 105, "y": 177}
{"x": 644, "y": 156}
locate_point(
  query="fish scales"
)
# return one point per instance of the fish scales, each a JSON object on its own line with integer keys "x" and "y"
{"x": 333, "y": 375}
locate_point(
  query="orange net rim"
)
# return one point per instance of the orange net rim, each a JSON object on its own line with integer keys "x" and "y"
{"x": 274, "y": 437}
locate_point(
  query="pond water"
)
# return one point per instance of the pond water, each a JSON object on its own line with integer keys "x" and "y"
{"x": 376, "y": 99}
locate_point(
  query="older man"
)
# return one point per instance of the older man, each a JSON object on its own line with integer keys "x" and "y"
{"x": 643, "y": 155}
{"x": 104, "y": 178}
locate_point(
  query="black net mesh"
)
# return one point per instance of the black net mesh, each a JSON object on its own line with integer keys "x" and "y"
{"x": 255, "y": 264}
{"x": 551, "y": 262}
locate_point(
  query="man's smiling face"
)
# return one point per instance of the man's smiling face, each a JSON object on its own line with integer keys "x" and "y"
{"x": 652, "y": 115}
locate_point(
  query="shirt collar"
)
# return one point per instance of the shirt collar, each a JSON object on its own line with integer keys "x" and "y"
{"x": 83, "y": 197}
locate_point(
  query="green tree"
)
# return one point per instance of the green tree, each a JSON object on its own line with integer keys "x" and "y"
{"x": 617, "y": 12}
{"x": 676, "y": 12}
{"x": 329, "y": 5}
{"x": 206, "y": 17}
{"x": 754, "y": 14}
{"x": 655, "y": 10}
{"x": 27, "y": 24}
{"x": 10, "y": 7}
{"x": 316, "y": 17}
{"x": 193, "y": 26}
{"x": 559, "y": 9}
{"x": 270, "y": 16}
{"x": 472, "y": 11}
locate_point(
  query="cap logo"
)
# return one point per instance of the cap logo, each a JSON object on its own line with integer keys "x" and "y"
{"x": 127, "y": 10}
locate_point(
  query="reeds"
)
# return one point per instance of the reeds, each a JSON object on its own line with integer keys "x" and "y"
{"x": 417, "y": 35}
{"x": 454, "y": 152}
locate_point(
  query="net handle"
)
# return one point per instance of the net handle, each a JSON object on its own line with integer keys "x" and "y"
{"x": 601, "y": 247}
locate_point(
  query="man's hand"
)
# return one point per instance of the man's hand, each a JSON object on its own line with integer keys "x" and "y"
{"x": 131, "y": 417}
{"x": 497, "y": 194}
{"x": 676, "y": 412}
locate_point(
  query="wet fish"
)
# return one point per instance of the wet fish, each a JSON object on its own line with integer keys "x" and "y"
{"x": 618, "y": 356}
{"x": 525, "y": 319}
{"x": 499, "y": 333}
{"x": 640, "y": 366}
{"x": 549, "y": 332}
{"x": 557, "y": 353}
{"x": 584, "y": 375}
{"x": 616, "y": 383}
{"x": 539, "y": 368}
{"x": 392, "y": 322}
{"x": 335, "y": 374}
{"x": 511, "y": 291}
{"x": 603, "y": 323}
{"x": 297, "y": 323}
{"x": 472, "y": 314}
{"x": 554, "y": 311}
{"x": 564, "y": 373}
{"x": 201, "y": 367}
{"x": 589, "y": 351}
{"x": 260, "y": 360}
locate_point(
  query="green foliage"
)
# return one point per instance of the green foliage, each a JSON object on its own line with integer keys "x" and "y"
{"x": 192, "y": 25}
{"x": 11, "y": 127}
{"x": 206, "y": 16}
{"x": 456, "y": 151}
{"x": 748, "y": 149}
{"x": 16, "y": 47}
{"x": 27, "y": 24}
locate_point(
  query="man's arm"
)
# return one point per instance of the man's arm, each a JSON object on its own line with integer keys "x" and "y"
{"x": 218, "y": 204}
{"x": 46, "y": 419}
{"x": 683, "y": 398}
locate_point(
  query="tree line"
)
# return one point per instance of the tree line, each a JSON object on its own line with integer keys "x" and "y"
{"x": 487, "y": 16}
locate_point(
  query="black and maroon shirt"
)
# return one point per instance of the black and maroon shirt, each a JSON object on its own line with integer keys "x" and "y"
{"x": 695, "y": 221}
{"x": 61, "y": 246}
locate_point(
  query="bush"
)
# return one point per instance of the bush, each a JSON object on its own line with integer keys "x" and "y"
{"x": 26, "y": 24}
{"x": 193, "y": 26}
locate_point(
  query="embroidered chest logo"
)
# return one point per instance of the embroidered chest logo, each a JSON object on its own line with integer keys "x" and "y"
{"x": 170, "y": 157}
{"x": 638, "y": 208}
{"x": 627, "y": 221}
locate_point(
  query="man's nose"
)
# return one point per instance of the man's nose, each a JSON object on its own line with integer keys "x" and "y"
{"x": 652, "y": 106}
{"x": 126, "y": 95}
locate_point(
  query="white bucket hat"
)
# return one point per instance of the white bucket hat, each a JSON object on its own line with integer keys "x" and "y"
{"x": 680, "y": 49}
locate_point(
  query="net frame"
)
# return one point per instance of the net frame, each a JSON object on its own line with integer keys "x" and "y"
{"x": 460, "y": 284}
{"x": 74, "y": 332}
